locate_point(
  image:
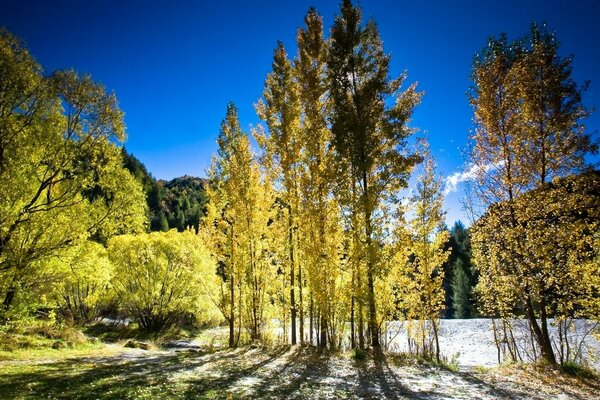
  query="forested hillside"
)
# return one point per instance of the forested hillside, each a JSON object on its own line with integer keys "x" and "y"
{"x": 175, "y": 204}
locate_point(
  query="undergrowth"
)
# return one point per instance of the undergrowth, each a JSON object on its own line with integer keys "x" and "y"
{"x": 579, "y": 371}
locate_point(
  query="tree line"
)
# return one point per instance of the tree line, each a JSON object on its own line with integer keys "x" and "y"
{"x": 313, "y": 236}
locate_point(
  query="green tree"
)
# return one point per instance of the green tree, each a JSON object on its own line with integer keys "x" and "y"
{"x": 461, "y": 291}
{"x": 368, "y": 136}
{"x": 85, "y": 274}
{"x": 61, "y": 175}
{"x": 460, "y": 258}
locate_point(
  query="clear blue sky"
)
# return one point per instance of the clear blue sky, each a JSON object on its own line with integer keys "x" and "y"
{"x": 175, "y": 65}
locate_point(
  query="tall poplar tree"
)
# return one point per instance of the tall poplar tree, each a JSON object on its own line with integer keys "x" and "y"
{"x": 320, "y": 230}
{"x": 369, "y": 137}
{"x": 236, "y": 229}
{"x": 222, "y": 223}
{"x": 280, "y": 109}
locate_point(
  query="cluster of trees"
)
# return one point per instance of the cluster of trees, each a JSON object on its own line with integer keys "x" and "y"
{"x": 61, "y": 174}
{"x": 312, "y": 231}
{"x": 309, "y": 239}
{"x": 175, "y": 204}
{"x": 460, "y": 275}
{"x": 72, "y": 217}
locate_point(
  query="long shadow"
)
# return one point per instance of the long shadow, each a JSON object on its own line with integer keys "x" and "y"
{"x": 68, "y": 379}
{"x": 116, "y": 378}
{"x": 486, "y": 387}
{"x": 298, "y": 377}
{"x": 378, "y": 375}
{"x": 218, "y": 385}
{"x": 491, "y": 389}
{"x": 515, "y": 393}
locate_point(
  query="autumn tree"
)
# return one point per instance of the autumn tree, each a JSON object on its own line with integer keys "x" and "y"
{"x": 159, "y": 277}
{"x": 236, "y": 230}
{"x": 368, "y": 136}
{"x": 528, "y": 114}
{"x": 85, "y": 274}
{"x": 280, "y": 108}
{"x": 320, "y": 234}
{"x": 422, "y": 252}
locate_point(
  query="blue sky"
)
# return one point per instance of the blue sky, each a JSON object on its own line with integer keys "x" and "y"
{"x": 175, "y": 65}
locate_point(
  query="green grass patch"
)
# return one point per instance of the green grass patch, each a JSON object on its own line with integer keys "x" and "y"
{"x": 579, "y": 371}
{"x": 48, "y": 353}
{"x": 358, "y": 354}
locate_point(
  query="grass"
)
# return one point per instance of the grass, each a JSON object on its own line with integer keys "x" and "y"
{"x": 94, "y": 370}
{"x": 579, "y": 371}
{"x": 48, "y": 353}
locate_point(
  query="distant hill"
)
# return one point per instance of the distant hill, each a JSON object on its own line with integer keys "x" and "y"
{"x": 178, "y": 203}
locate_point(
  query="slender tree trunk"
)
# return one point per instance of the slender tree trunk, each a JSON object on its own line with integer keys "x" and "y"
{"x": 352, "y": 302}
{"x": 361, "y": 327}
{"x": 10, "y": 296}
{"x": 318, "y": 327}
{"x": 323, "y": 331}
{"x": 546, "y": 336}
{"x": 292, "y": 278}
{"x": 232, "y": 295}
{"x": 300, "y": 284}
{"x": 437, "y": 340}
{"x": 239, "y": 328}
{"x": 310, "y": 319}
{"x": 373, "y": 330}
{"x": 352, "y": 335}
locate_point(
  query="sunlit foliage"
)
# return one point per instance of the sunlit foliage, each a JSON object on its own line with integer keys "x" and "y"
{"x": 528, "y": 134}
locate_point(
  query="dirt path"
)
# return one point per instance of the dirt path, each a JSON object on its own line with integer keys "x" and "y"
{"x": 283, "y": 372}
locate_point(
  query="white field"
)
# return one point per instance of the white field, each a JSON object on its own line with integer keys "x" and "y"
{"x": 473, "y": 340}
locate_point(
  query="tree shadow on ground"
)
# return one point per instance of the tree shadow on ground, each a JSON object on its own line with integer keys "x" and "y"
{"x": 298, "y": 377}
{"x": 378, "y": 380}
{"x": 283, "y": 372}
{"x": 521, "y": 391}
{"x": 227, "y": 375}
{"x": 108, "y": 378}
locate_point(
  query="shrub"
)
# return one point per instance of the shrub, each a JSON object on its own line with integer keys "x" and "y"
{"x": 160, "y": 277}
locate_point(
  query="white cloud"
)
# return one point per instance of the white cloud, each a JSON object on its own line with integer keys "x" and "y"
{"x": 452, "y": 181}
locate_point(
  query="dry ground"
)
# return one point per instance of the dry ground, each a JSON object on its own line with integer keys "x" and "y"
{"x": 281, "y": 372}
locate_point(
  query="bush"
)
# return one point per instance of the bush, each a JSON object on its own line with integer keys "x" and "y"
{"x": 358, "y": 354}
{"x": 578, "y": 370}
{"x": 84, "y": 291}
{"x": 159, "y": 278}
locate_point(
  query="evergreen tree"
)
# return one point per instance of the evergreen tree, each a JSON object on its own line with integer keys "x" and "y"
{"x": 461, "y": 291}
{"x": 159, "y": 222}
{"x": 460, "y": 252}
